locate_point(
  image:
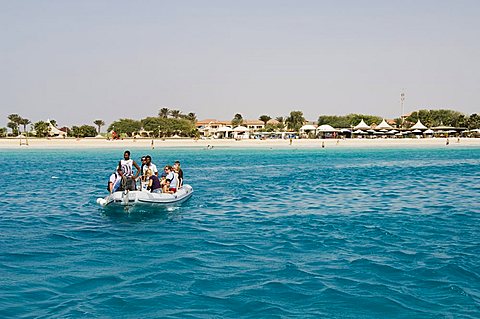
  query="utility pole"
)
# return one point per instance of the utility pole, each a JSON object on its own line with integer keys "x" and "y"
{"x": 402, "y": 99}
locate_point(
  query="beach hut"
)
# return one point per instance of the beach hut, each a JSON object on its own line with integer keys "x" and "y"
{"x": 362, "y": 126}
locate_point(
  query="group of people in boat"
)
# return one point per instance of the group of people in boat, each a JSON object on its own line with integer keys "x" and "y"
{"x": 167, "y": 181}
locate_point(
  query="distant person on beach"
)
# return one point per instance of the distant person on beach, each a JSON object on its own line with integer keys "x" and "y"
{"x": 291, "y": 140}
{"x": 447, "y": 142}
{"x": 125, "y": 170}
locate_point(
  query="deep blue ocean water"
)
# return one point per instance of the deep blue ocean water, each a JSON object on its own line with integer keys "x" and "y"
{"x": 337, "y": 233}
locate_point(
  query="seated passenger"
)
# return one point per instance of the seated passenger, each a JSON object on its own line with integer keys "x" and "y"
{"x": 153, "y": 182}
{"x": 114, "y": 182}
{"x": 149, "y": 165}
{"x": 171, "y": 180}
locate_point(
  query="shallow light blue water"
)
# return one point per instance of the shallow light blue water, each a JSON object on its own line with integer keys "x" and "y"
{"x": 339, "y": 233}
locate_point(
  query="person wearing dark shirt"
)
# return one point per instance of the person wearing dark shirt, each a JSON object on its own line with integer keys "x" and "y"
{"x": 153, "y": 182}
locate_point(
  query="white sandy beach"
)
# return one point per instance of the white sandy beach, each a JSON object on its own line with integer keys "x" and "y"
{"x": 42, "y": 143}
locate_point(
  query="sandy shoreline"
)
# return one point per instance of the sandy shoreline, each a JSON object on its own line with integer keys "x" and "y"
{"x": 13, "y": 143}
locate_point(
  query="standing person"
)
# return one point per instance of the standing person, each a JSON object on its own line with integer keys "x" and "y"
{"x": 125, "y": 170}
{"x": 179, "y": 171}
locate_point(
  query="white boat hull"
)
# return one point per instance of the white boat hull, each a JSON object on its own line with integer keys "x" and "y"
{"x": 134, "y": 198}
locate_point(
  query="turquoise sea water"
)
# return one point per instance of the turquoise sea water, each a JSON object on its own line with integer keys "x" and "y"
{"x": 338, "y": 233}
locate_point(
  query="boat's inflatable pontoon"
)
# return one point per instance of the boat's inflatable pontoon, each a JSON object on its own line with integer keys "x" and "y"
{"x": 133, "y": 198}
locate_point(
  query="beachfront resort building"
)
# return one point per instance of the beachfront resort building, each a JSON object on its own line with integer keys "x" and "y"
{"x": 224, "y": 129}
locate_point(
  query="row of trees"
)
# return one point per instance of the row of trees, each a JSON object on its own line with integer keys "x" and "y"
{"x": 292, "y": 122}
{"x": 432, "y": 118}
{"x": 170, "y": 122}
{"x": 429, "y": 118}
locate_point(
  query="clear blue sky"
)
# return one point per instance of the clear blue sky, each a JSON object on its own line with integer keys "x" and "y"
{"x": 77, "y": 61}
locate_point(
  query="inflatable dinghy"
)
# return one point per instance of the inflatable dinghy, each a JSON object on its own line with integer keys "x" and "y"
{"x": 134, "y": 198}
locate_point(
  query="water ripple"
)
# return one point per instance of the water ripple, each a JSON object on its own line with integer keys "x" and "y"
{"x": 277, "y": 233}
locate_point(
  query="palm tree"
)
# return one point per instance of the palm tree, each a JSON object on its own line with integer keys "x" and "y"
{"x": 237, "y": 119}
{"x": 175, "y": 113}
{"x": 192, "y": 116}
{"x": 99, "y": 123}
{"x": 24, "y": 122}
{"x": 265, "y": 119}
{"x": 163, "y": 113}
{"x": 15, "y": 120}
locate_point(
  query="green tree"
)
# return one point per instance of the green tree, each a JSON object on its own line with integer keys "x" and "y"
{"x": 163, "y": 112}
{"x": 474, "y": 121}
{"x": 264, "y": 119}
{"x": 295, "y": 121}
{"x": 3, "y": 131}
{"x": 53, "y": 122}
{"x": 88, "y": 131}
{"x": 237, "y": 120}
{"x": 24, "y": 122}
{"x": 14, "y": 128}
{"x": 281, "y": 123}
{"x": 15, "y": 119}
{"x": 192, "y": 117}
{"x": 175, "y": 113}
{"x": 126, "y": 126}
{"x": 270, "y": 128}
{"x": 99, "y": 123}
{"x": 168, "y": 126}
{"x": 42, "y": 128}
{"x": 334, "y": 120}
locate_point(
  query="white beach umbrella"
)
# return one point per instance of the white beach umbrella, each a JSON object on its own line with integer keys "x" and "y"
{"x": 383, "y": 125}
{"x": 429, "y": 131}
{"x": 393, "y": 131}
{"x": 241, "y": 129}
{"x": 416, "y": 131}
{"x": 361, "y": 126}
{"x": 326, "y": 128}
{"x": 308, "y": 127}
{"x": 224, "y": 129}
{"x": 419, "y": 126}
{"x": 359, "y": 132}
